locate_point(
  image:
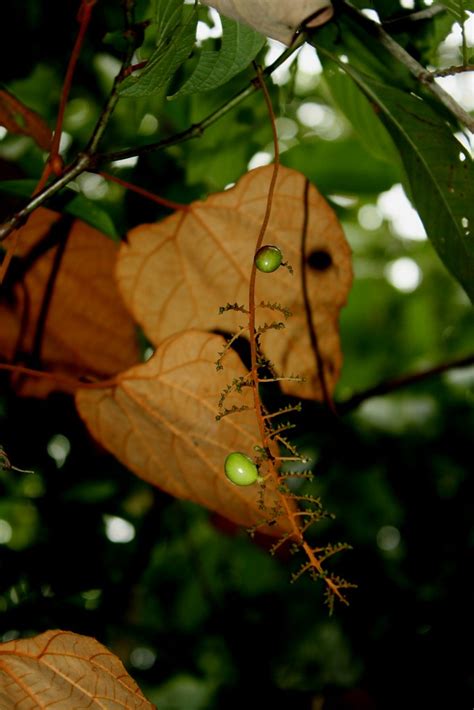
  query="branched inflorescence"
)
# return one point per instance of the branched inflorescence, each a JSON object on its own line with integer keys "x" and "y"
{"x": 297, "y": 511}
{"x": 294, "y": 512}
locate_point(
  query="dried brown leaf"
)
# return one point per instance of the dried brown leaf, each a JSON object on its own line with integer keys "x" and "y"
{"x": 65, "y": 671}
{"x": 87, "y": 330}
{"x": 279, "y": 20}
{"x": 18, "y": 118}
{"x": 160, "y": 421}
{"x": 175, "y": 274}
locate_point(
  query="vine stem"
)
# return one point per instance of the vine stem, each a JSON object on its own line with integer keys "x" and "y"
{"x": 54, "y": 162}
{"x": 253, "y": 273}
{"x": 197, "y": 129}
{"x": 89, "y": 159}
{"x": 414, "y": 67}
{"x": 404, "y": 23}
{"x": 145, "y": 193}
{"x": 83, "y": 160}
{"x": 448, "y": 71}
{"x": 297, "y": 532}
{"x": 397, "y": 383}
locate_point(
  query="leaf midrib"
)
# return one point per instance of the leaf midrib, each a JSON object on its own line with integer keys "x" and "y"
{"x": 366, "y": 88}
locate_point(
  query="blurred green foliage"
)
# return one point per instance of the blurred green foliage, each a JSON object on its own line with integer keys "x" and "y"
{"x": 201, "y": 615}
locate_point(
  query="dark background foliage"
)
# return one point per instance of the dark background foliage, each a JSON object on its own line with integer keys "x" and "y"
{"x": 202, "y": 616}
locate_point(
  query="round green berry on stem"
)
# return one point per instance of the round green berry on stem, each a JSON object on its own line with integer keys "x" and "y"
{"x": 268, "y": 258}
{"x": 240, "y": 469}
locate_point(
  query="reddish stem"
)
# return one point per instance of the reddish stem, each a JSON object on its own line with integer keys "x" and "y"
{"x": 83, "y": 17}
{"x": 134, "y": 67}
{"x": 145, "y": 193}
{"x": 54, "y": 163}
{"x": 290, "y": 513}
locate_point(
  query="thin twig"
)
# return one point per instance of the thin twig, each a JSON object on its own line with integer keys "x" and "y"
{"x": 253, "y": 273}
{"x": 414, "y": 67}
{"x": 144, "y": 193}
{"x": 54, "y": 163}
{"x": 84, "y": 17}
{"x": 399, "y": 382}
{"x": 194, "y": 131}
{"x": 114, "y": 96}
{"x": 76, "y": 168}
{"x": 85, "y": 159}
{"x": 449, "y": 71}
{"x": 402, "y": 23}
{"x": 297, "y": 530}
{"x": 197, "y": 129}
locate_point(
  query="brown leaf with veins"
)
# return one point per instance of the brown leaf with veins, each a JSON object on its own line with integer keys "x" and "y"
{"x": 86, "y": 331}
{"x": 160, "y": 421}
{"x": 65, "y": 671}
{"x": 18, "y": 118}
{"x": 175, "y": 274}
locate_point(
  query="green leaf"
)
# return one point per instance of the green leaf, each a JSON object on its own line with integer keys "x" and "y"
{"x": 175, "y": 41}
{"x": 117, "y": 40}
{"x": 240, "y": 45}
{"x": 439, "y": 170}
{"x": 90, "y": 212}
{"x": 361, "y": 114}
{"x": 18, "y": 188}
{"x": 222, "y": 153}
{"x": 458, "y": 9}
{"x": 342, "y": 166}
{"x": 440, "y": 26}
{"x": 76, "y": 205}
{"x": 441, "y": 176}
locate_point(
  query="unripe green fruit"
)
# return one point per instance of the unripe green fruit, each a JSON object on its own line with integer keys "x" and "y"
{"x": 268, "y": 258}
{"x": 240, "y": 469}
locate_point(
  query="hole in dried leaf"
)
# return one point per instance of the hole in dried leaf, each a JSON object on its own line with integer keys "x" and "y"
{"x": 319, "y": 260}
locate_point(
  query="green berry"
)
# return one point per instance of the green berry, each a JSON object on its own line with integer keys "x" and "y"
{"x": 268, "y": 258}
{"x": 240, "y": 469}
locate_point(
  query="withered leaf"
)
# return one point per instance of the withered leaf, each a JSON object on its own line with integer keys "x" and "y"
{"x": 18, "y": 118}
{"x": 175, "y": 274}
{"x": 160, "y": 421}
{"x": 86, "y": 330}
{"x": 279, "y": 20}
{"x": 66, "y": 671}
